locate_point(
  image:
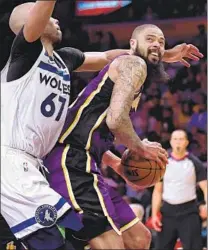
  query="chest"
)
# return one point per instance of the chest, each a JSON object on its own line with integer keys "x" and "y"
{"x": 180, "y": 172}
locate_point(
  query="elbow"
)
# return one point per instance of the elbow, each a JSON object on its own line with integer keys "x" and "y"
{"x": 112, "y": 124}
{"x": 106, "y": 57}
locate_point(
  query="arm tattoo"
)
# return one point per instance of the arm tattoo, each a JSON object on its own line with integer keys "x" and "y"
{"x": 132, "y": 71}
{"x": 129, "y": 74}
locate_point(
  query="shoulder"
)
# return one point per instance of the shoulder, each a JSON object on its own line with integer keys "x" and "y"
{"x": 133, "y": 67}
{"x": 66, "y": 51}
{"x": 72, "y": 57}
{"x": 128, "y": 60}
{"x": 195, "y": 160}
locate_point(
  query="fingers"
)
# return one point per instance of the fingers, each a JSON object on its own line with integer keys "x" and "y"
{"x": 165, "y": 153}
{"x": 163, "y": 159}
{"x": 157, "y": 225}
{"x": 157, "y": 144}
{"x": 162, "y": 150}
{"x": 160, "y": 162}
{"x": 192, "y": 57}
{"x": 163, "y": 156}
{"x": 185, "y": 63}
{"x": 145, "y": 140}
{"x": 194, "y": 50}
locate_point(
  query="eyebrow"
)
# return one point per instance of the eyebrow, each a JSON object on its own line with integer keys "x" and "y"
{"x": 161, "y": 37}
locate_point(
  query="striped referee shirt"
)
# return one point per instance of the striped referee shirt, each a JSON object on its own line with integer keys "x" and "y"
{"x": 180, "y": 179}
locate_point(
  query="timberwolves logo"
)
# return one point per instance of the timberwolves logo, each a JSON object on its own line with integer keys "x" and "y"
{"x": 46, "y": 215}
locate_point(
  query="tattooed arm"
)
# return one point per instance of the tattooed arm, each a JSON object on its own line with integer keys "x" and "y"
{"x": 128, "y": 73}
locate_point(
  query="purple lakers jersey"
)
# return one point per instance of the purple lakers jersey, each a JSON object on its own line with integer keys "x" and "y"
{"x": 85, "y": 127}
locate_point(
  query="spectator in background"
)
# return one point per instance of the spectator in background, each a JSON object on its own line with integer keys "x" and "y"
{"x": 97, "y": 41}
{"x": 177, "y": 196}
{"x": 200, "y": 40}
{"x": 141, "y": 196}
{"x": 167, "y": 119}
{"x": 155, "y": 113}
{"x": 199, "y": 119}
{"x": 149, "y": 15}
{"x": 104, "y": 41}
{"x": 201, "y": 139}
{"x": 109, "y": 42}
{"x": 82, "y": 36}
{"x": 182, "y": 114}
{"x": 201, "y": 76}
{"x": 165, "y": 138}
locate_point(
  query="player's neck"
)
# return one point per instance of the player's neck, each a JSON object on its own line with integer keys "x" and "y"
{"x": 179, "y": 155}
{"x": 48, "y": 46}
{"x": 131, "y": 52}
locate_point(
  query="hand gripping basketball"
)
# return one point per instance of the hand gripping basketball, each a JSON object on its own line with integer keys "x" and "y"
{"x": 141, "y": 171}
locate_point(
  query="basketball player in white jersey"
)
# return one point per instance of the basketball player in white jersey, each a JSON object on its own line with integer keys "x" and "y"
{"x": 35, "y": 96}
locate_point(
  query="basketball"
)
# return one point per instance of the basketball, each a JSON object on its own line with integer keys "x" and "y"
{"x": 140, "y": 171}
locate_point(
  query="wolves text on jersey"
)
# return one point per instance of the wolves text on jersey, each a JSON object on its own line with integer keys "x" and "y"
{"x": 54, "y": 83}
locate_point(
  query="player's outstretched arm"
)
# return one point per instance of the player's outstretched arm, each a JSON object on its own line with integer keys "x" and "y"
{"x": 36, "y": 17}
{"x": 180, "y": 52}
{"x": 128, "y": 73}
{"x": 95, "y": 61}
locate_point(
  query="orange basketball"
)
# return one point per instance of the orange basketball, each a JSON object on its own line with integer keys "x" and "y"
{"x": 140, "y": 171}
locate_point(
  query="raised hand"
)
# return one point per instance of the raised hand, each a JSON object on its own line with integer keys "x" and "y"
{"x": 182, "y": 51}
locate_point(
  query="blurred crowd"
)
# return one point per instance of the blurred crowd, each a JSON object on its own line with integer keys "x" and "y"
{"x": 161, "y": 9}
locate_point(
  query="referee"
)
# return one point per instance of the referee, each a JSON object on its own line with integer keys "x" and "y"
{"x": 175, "y": 197}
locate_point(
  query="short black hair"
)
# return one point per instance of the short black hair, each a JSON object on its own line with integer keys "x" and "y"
{"x": 181, "y": 130}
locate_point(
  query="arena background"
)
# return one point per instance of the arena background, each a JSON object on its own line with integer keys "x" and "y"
{"x": 182, "y": 103}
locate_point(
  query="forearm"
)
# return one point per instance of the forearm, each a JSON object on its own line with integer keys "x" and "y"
{"x": 112, "y": 54}
{"x": 156, "y": 203}
{"x": 114, "y": 162}
{"x": 203, "y": 186}
{"x": 123, "y": 130}
{"x": 110, "y": 159}
{"x": 168, "y": 56}
{"x": 38, "y": 19}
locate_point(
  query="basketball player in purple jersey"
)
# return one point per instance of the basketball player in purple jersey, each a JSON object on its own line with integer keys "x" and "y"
{"x": 97, "y": 116}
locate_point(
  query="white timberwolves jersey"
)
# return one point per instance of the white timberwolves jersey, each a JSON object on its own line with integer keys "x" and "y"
{"x": 34, "y": 107}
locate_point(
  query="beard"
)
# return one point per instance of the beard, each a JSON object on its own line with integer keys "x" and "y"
{"x": 155, "y": 70}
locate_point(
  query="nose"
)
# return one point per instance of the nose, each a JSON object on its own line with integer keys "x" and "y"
{"x": 156, "y": 44}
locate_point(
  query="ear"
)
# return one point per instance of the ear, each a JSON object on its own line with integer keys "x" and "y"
{"x": 171, "y": 143}
{"x": 133, "y": 44}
